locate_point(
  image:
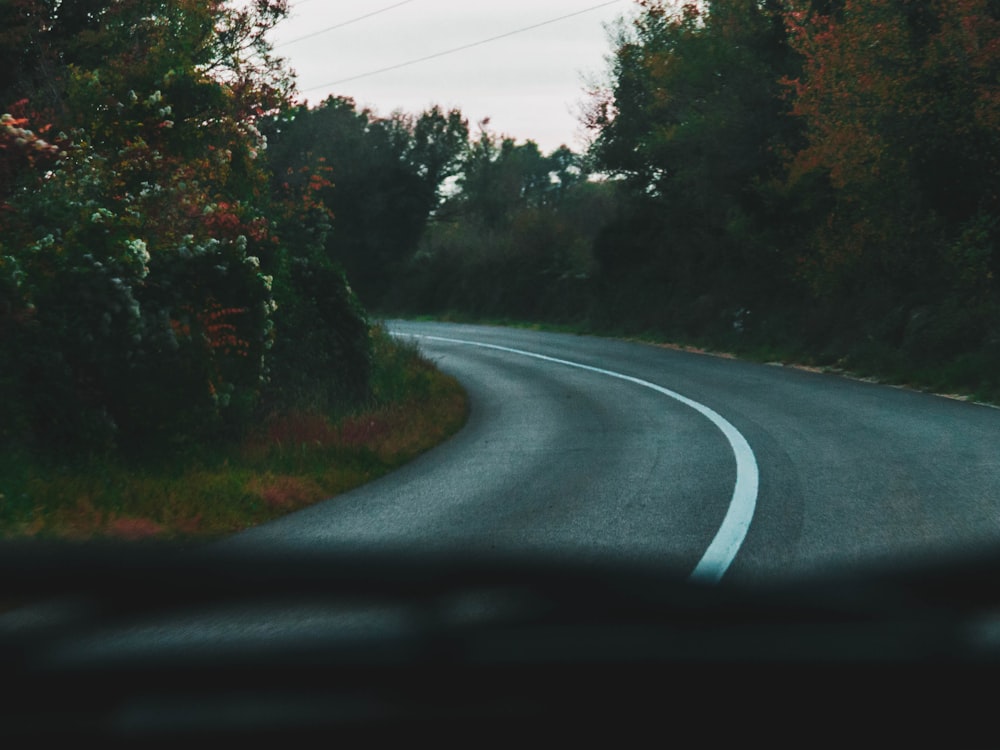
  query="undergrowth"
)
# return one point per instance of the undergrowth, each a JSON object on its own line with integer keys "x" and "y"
{"x": 290, "y": 461}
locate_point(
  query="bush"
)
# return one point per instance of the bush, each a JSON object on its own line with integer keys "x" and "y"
{"x": 322, "y": 356}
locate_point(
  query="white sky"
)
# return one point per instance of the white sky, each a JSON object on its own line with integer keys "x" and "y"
{"x": 530, "y": 84}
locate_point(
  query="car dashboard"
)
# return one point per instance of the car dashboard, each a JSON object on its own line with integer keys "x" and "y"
{"x": 160, "y": 642}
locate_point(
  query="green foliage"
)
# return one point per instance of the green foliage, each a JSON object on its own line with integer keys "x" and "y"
{"x": 500, "y": 176}
{"x": 692, "y": 122}
{"x": 385, "y": 179}
{"x": 141, "y": 245}
{"x": 902, "y": 119}
{"x": 287, "y": 462}
{"x": 322, "y": 353}
{"x": 515, "y": 240}
{"x": 400, "y": 371}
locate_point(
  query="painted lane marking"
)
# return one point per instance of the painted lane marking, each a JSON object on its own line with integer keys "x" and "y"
{"x": 733, "y": 530}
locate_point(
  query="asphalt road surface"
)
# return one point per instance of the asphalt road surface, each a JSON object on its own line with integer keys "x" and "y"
{"x": 586, "y": 445}
{"x": 600, "y": 451}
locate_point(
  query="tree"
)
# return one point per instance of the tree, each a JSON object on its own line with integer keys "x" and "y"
{"x": 386, "y": 176}
{"x": 500, "y": 177}
{"x": 903, "y": 124}
{"x": 514, "y": 239}
{"x": 693, "y": 122}
{"x": 138, "y": 265}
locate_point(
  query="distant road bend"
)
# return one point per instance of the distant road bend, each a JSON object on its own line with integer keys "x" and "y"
{"x": 596, "y": 446}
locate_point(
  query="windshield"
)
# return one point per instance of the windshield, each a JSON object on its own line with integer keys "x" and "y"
{"x": 617, "y": 319}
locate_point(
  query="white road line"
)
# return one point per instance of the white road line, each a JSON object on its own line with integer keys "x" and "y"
{"x": 729, "y": 538}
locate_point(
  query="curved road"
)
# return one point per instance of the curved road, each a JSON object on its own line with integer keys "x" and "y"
{"x": 597, "y": 446}
{"x": 586, "y": 447}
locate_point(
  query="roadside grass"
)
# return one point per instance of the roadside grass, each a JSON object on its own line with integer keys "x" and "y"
{"x": 291, "y": 461}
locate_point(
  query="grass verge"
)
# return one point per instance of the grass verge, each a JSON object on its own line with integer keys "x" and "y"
{"x": 292, "y": 461}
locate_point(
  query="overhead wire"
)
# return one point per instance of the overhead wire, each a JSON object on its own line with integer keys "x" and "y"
{"x": 340, "y": 25}
{"x": 463, "y": 47}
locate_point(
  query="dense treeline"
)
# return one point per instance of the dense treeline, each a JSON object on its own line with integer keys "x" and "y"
{"x": 515, "y": 238}
{"x": 820, "y": 173}
{"x": 818, "y": 177}
{"x": 901, "y": 112}
{"x": 431, "y": 218}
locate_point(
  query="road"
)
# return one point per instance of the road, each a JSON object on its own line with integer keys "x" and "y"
{"x": 596, "y": 450}
{"x": 559, "y": 458}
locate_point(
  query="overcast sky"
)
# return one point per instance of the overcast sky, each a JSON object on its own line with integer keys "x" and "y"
{"x": 529, "y": 84}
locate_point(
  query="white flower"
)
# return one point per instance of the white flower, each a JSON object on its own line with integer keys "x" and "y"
{"x": 137, "y": 249}
{"x": 16, "y": 273}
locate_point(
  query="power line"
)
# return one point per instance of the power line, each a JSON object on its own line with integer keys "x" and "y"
{"x": 339, "y": 25}
{"x": 463, "y": 47}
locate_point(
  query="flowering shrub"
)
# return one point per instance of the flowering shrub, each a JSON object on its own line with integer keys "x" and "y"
{"x": 12, "y": 130}
{"x": 138, "y": 249}
{"x": 138, "y": 329}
